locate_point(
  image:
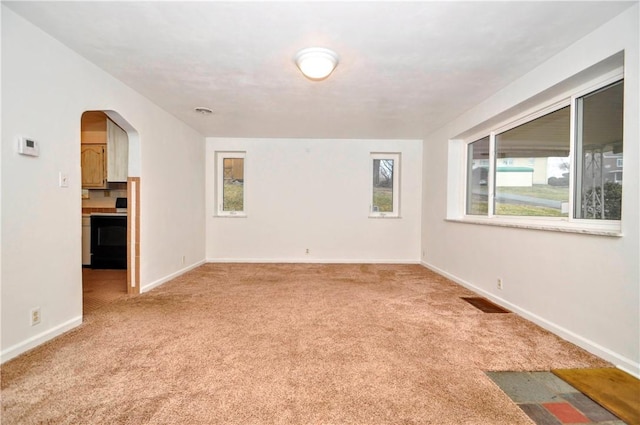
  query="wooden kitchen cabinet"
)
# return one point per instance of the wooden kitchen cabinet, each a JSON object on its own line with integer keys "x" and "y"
{"x": 117, "y": 153}
{"x": 98, "y": 130}
{"x": 93, "y": 160}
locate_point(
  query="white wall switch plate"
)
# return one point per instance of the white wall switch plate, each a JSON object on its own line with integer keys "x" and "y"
{"x": 63, "y": 179}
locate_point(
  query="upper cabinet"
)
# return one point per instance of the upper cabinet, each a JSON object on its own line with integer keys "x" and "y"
{"x": 93, "y": 163}
{"x": 98, "y": 129}
{"x": 117, "y": 153}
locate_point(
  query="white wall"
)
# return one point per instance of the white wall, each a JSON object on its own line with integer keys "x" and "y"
{"x": 314, "y": 194}
{"x": 585, "y": 288}
{"x": 45, "y": 89}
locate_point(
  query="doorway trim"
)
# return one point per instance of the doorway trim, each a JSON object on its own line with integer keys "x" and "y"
{"x": 133, "y": 236}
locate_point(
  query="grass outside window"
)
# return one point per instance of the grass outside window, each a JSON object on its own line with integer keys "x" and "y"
{"x": 383, "y": 199}
{"x": 230, "y": 184}
{"x": 233, "y": 196}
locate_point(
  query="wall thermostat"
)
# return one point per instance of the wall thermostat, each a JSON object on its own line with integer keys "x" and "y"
{"x": 28, "y": 147}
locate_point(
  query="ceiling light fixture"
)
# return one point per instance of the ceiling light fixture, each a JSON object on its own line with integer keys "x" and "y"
{"x": 202, "y": 110}
{"x": 316, "y": 63}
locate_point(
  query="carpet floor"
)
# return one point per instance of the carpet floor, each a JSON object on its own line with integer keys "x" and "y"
{"x": 285, "y": 344}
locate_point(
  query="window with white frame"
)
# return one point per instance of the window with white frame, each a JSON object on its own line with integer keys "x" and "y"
{"x": 385, "y": 183}
{"x": 598, "y": 186}
{"x": 563, "y": 161}
{"x": 478, "y": 177}
{"x": 541, "y": 188}
{"x": 230, "y": 183}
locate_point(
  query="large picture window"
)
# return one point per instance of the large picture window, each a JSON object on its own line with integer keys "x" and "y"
{"x": 230, "y": 187}
{"x": 532, "y": 167}
{"x": 550, "y": 165}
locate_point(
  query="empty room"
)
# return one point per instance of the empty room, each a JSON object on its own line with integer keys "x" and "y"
{"x": 320, "y": 212}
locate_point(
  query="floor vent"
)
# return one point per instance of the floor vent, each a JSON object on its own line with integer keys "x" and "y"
{"x": 485, "y": 305}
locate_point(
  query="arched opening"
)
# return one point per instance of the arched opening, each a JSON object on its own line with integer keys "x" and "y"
{"x": 110, "y": 164}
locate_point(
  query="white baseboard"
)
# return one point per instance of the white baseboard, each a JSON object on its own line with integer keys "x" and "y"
{"x": 620, "y": 361}
{"x": 41, "y": 338}
{"x": 156, "y": 283}
{"x": 308, "y": 261}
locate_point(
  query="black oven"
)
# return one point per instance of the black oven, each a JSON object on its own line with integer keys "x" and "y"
{"x": 109, "y": 241}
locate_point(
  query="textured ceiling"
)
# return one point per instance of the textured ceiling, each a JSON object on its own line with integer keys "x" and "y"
{"x": 405, "y": 68}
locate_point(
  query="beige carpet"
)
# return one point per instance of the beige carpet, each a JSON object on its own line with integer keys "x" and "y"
{"x": 285, "y": 344}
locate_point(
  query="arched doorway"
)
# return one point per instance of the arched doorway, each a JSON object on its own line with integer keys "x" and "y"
{"x": 110, "y": 162}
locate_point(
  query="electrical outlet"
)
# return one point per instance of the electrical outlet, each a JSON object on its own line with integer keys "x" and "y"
{"x": 184, "y": 258}
{"x": 35, "y": 316}
{"x": 500, "y": 283}
{"x": 307, "y": 251}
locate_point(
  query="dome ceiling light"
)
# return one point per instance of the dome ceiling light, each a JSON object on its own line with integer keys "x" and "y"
{"x": 316, "y": 63}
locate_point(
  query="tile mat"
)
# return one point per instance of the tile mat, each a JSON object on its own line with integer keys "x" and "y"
{"x": 548, "y": 400}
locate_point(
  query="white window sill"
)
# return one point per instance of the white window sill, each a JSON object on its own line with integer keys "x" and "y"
{"x": 384, "y": 216}
{"x": 598, "y": 229}
{"x": 227, "y": 215}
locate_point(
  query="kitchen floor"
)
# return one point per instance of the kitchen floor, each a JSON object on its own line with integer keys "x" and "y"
{"x": 548, "y": 400}
{"x": 101, "y": 287}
